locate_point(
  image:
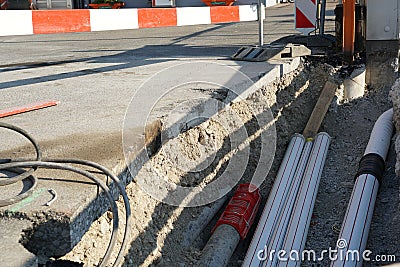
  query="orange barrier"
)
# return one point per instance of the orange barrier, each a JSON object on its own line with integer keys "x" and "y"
{"x": 86, "y": 20}
{"x": 224, "y": 14}
{"x": 159, "y": 17}
{"x": 57, "y": 21}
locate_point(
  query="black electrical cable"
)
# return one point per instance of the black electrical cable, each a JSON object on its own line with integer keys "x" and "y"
{"x": 62, "y": 164}
{"x": 21, "y": 196}
{"x": 21, "y": 174}
{"x": 29, "y": 172}
{"x": 121, "y": 190}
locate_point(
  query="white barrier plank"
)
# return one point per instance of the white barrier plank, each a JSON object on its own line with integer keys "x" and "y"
{"x": 193, "y": 15}
{"x": 16, "y": 22}
{"x": 113, "y": 19}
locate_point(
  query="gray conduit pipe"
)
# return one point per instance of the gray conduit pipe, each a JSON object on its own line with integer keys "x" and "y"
{"x": 296, "y": 235}
{"x": 195, "y": 227}
{"x": 355, "y": 228}
{"x": 280, "y": 231}
{"x": 220, "y": 247}
{"x": 275, "y": 203}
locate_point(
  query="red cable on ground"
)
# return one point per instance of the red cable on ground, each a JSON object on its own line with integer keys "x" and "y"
{"x": 27, "y": 108}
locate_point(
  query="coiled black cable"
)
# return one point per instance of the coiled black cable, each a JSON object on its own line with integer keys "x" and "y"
{"x": 63, "y": 164}
{"x": 29, "y": 172}
{"x": 21, "y": 196}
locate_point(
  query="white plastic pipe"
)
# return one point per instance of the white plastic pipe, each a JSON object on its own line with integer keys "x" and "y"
{"x": 296, "y": 235}
{"x": 354, "y": 233}
{"x": 355, "y": 228}
{"x": 275, "y": 202}
{"x": 283, "y": 222}
{"x": 381, "y": 134}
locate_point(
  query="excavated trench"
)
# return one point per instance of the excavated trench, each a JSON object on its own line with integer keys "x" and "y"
{"x": 165, "y": 235}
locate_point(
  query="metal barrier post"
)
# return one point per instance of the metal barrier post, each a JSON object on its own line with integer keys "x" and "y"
{"x": 322, "y": 18}
{"x": 261, "y": 12}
